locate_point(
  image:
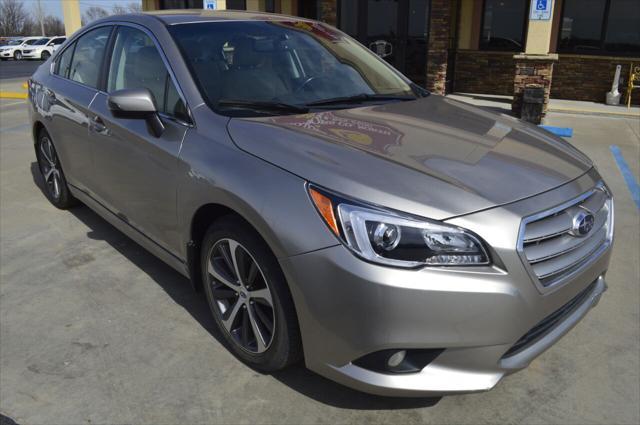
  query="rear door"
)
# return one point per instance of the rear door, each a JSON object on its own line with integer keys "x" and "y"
{"x": 66, "y": 99}
{"x": 135, "y": 170}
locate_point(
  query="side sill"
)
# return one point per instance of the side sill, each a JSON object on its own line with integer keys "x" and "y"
{"x": 131, "y": 232}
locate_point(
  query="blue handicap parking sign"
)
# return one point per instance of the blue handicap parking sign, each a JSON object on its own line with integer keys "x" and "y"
{"x": 541, "y": 5}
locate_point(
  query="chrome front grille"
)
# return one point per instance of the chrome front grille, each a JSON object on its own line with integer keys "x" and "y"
{"x": 551, "y": 242}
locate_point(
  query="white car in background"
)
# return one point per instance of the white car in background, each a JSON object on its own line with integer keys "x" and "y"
{"x": 43, "y": 48}
{"x": 13, "y": 50}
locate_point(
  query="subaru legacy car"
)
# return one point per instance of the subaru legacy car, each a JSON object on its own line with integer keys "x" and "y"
{"x": 329, "y": 209}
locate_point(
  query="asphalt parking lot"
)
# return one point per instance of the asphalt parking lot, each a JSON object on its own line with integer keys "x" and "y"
{"x": 94, "y": 329}
{"x": 16, "y": 69}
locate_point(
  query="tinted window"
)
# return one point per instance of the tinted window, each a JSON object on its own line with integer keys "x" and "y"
{"x": 503, "y": 25}
{"x": 136, "y": 63}
{"x": 623, "y": 27}
{"x": 88, "y": 55}
{"x": 600, "y": 26}
{"x": 581, "y": 25}
{"x": 40, "y": 42}
{"x": 237, "y": 4}
{"x": 58, "y": 41}
{"x": 64, "y": 62}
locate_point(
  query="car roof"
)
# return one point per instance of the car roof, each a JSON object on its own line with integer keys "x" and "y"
{"x": 182, "y": 16}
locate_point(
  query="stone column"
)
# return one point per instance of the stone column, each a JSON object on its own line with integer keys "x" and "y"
{"x": 532, "y": 70}
{"x": 438, "y": 46}
{"x": 535, "y": 65}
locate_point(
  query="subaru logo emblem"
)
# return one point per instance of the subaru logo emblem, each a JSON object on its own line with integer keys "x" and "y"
{"x": 583, "y": 222}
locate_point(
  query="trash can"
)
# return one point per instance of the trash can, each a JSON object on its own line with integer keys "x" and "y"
{"x": 532, "y": 103}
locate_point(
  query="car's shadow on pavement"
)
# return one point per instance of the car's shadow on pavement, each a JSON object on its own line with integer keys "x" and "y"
{"x": 180, "y": 290}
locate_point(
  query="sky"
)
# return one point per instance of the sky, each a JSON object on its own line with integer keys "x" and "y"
{"x": 54, "y": 7}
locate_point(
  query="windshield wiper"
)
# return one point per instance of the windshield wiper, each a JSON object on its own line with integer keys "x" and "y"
{"x": 359, "y": 98}
{"x": 261, "y": 106}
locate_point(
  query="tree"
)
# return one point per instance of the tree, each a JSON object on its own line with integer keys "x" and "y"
{"x": 12, "y": 17}
{"x": 38, "y": 14}
{"x": 93, "y": 13}
{"x": 53, "y": 25}
{"x": 29, "y": 27}
{"x": 118, "y": 9}
{"x": 134, "y": 7}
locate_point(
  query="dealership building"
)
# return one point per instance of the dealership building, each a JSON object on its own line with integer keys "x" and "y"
{"x": 569, "y": 47}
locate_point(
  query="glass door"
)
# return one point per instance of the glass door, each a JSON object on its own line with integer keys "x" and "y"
{"x": 396, "y": 30}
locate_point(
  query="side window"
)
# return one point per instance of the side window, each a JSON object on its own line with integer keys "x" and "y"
{"x": 58, "y": 41}
{"x": 136, "y": 63}
{"x": 64, "y": 62}
{"x": 174, "y": 105}
{"x": 87, "y": 57}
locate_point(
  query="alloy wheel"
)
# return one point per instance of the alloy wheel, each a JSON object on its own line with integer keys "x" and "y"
{"x": 18, "y": 55}
{"x": 45, "y": 55}
{"x": 50, "y": 168}
{"x": 241, "y": 296}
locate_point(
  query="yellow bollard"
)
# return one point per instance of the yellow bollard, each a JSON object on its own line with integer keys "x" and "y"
{"x": 634, "y": 75}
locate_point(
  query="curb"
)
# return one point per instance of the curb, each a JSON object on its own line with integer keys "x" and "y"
{"x": 589, "y": 112}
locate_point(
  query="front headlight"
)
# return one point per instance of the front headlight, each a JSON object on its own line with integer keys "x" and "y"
{"x": 390, "y": 238}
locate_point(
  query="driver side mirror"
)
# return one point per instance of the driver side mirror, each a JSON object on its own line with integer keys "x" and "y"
{"x": 137, "y": 103}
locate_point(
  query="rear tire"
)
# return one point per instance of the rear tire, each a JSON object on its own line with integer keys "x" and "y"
{"x": 55, "y": 183}
{"x": 254, "y": 312}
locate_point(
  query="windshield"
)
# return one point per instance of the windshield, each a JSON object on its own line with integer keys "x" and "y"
{"x": 39, "y": 42}
{"x": 288, "y": 62}
{"x": 15, "y": 42}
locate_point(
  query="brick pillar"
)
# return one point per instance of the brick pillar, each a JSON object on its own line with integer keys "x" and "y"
{"x": 532, "y": 69}
{"x": 438, "y": 45}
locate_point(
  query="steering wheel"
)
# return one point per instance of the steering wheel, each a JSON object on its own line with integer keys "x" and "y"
{"x": 305, "y": 83}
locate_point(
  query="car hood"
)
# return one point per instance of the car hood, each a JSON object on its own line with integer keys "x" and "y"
{"x": 433, "y": 157}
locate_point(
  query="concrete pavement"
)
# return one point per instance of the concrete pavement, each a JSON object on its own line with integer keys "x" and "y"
{"x": 93, "y": 329}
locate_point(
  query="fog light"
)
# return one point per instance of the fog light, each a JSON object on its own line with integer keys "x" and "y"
{"x": 396, "y": 359}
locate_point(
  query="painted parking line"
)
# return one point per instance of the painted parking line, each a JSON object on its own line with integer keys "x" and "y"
{"x": 628, "y": 176}
{"x": 559, "y": 131}
{"x": 12, "y": 95}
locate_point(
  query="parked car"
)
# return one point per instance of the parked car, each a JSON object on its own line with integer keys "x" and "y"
{"x": 13, "y": 49}
{"x": 330, "y": 209}
{"x": 43, "y": 48}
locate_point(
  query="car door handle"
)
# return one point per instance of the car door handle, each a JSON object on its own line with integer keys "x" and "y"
{"x": 98, "y": 126}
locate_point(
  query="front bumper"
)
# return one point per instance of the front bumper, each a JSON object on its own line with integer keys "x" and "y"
{"x": 6, "y": 54}
{"x": 348, "y": 308}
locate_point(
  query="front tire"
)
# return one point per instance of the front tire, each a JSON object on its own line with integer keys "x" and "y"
{"x": 45, "y": 55}
{"x": 55, "y": 184}
{"x": 248, "y": 296}
{"x": 17, "y": 56}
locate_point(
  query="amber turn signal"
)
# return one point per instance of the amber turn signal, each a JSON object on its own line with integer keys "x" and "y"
{"x": 325, "y": 208}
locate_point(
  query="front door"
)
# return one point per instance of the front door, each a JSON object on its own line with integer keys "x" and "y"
{"x": 134, "y": 168}
{"x": 396, "y": 30}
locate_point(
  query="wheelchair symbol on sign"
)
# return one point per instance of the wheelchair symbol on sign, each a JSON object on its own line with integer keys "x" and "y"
{"x": 541, "y": 5}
